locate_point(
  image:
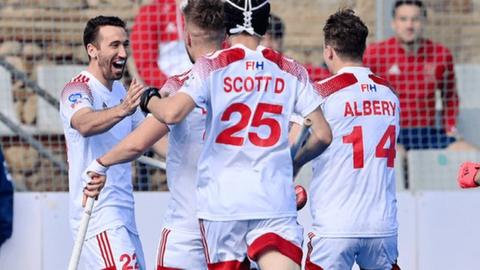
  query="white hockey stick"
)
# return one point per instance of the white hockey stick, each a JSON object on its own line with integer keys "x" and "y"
{"x": 152, "y": 162}
{"x": 301, "y": 137}
{"x": 82, "y": 231}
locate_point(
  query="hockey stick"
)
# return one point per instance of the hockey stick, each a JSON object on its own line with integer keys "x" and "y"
{"x": 82, "y": 231}
{"x": 152, "y": 162}
{"x": 300, "y": 192}
{"x": 301, "y": 137}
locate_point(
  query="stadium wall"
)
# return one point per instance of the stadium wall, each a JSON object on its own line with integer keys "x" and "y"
{"x": 433, "y": 232}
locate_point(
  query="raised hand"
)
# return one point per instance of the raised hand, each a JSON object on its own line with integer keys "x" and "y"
{"x": 132, "y": 100}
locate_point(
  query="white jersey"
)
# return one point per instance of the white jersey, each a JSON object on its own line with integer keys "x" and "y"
{"x": 352, "y": 193}
{"x": 185, "y": 143}
{"x": 245, "y": 169}
{"x": 115, "y": 206}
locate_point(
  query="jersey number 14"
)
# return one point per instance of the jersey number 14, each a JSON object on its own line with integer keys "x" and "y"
{"x": 356, "y": 139}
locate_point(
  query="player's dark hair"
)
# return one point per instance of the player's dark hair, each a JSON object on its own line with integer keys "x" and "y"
{"x": 417, "y": 3}
{"x": 276, "y": 27}
{"x": 235, "y": 15}
{"x": 208, "y": 15}
{"x": 346, "y": 33}
{"x": 90, "y": 34}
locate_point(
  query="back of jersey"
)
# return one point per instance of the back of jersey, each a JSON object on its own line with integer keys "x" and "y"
{"x": 245, "y": 170}
{"x": 353, "y": 187}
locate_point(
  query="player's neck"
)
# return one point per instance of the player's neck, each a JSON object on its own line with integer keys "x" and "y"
{"x": 246, "y": 40}
{"x": 338, "y": 65}
{"x": 97, "y": 73}
{"x": 206, "y": 49}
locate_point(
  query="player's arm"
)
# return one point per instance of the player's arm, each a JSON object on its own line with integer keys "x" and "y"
{"x": 130, "y": 148}
{"x": 161, "y": 146}
{"x": 319, "y": 139}
{"x": 137, "y": 142}
{"x": 89, "y": 122}
{"x": 170, "y": 110}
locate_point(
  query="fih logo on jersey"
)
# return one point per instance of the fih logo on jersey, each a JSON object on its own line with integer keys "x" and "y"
{"x": 365, "y": 87}
{"x": 254, "y": 65}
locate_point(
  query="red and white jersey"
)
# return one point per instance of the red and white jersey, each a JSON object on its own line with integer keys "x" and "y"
{"x": 245, "y": 169}
{"x": 352, "y": 193}
{"x": 185, "y": 143}
{"x": 115, "y": 206}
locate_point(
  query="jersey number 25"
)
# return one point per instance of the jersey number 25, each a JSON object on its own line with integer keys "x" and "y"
{"x": 228, "y": 136}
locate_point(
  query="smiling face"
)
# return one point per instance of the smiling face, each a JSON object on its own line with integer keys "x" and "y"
{"x": 408, "y": 23}
{"x": 110, "y": 52}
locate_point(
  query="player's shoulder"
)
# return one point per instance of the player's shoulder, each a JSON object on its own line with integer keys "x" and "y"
{"x": 220, "y": 59}
{"x": 286, "y": 64}
{"x": 382, "y": 81}
{"x": 335, "y": 83}
{"x": 78, "y": 83}
{"x": 437, "y": 49}
{"x": 175, "y": 83}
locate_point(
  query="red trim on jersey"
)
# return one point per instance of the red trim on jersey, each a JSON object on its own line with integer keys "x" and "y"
{"x": 175, "y": 83}
{"x": 75, "y": 87}
{"x": 208, "y": 65}
{"x": 309, "y": 265}
{"x": 288, "y": 66}
{"x": 163, "y": 247}
{"x": 109, "y": 249}
{"x": 272, "y": 241}
{"x": 379, "y": 80}
{"x": 230, "y": 265}
{"x": 326, "y": 88}
{"x": 204, "y": 242}
{"x": 102, "y": 252}
{"x": 166, "y": 268}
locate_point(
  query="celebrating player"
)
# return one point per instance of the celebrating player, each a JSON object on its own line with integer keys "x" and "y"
{"x": 245, "y": 194}
{"x": 97, "y": 112}
{"x": 352, "y": 194}
{"x": 181, "y": 245}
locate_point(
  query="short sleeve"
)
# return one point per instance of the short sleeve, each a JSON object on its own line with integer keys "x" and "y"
{"x": 75, "y": 96}
{"x": 307, "y": 100}
{"x": 196, "y": 86}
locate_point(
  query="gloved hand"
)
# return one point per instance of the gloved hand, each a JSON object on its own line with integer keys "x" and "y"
{"x": 467, "y": 173}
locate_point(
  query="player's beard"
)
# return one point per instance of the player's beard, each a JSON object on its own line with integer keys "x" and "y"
{"x": 110, "y": 73}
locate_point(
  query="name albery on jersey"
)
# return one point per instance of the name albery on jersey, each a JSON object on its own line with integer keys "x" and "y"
{"x": 369, "y": 107}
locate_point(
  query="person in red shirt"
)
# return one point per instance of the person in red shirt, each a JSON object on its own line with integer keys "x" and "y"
{"x": 157, "y": 43}
{"x": 417, "y": 67}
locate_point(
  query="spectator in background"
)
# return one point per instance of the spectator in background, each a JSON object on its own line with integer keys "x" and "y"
{"x": 273, "y": 38}
{"x": 157, "y": 44}
{"x": 417, "y": 67}
{"x": 6, "y": 201}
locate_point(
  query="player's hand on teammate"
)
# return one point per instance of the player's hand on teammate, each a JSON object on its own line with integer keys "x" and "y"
{"x": 94, "y": 178}
{"x": 132, "y": 100}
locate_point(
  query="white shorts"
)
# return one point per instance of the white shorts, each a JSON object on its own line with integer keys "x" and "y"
{"x": 341, "y": 253}
{"x": 227, "y": 243}
{"x": 179, "y": 249}
{"x": 113, "y": 249}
